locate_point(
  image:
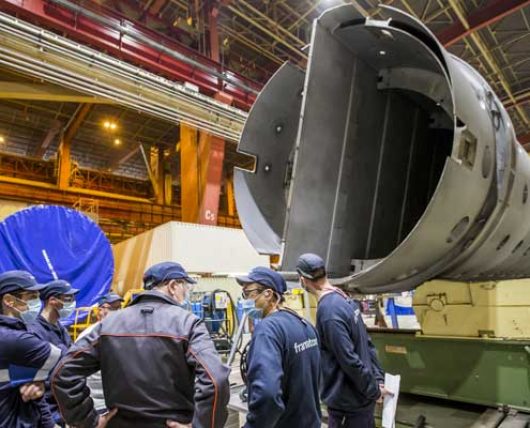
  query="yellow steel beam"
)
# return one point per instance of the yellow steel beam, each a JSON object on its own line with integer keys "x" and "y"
{"x": 230, "y": 200}
{"x": 63, "y": 175}
{"x": 78, "y": 190}
{"x": 273, "y": 23}
{"x": 45, "y": 92}
{"x": 157, "y": 168}
{"x": 189, "y": 173}
{"x": 263, "y": 28}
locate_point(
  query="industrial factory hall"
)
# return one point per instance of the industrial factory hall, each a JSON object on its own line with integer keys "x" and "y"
{"x": 264, "y": 214}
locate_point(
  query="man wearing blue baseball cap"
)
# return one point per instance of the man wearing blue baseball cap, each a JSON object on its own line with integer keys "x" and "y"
{"x": 158, "y": 363}
{"x": 58, "y": 297}
{"x": 107, "y": 304}
{"x": 59, "y": 303}
{"x": 25, "y": 360}
{"x": 352, "y": 379}
{"x": 283, "y": 359}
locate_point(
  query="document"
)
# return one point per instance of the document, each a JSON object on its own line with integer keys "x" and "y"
{"x": 390, "y": 401}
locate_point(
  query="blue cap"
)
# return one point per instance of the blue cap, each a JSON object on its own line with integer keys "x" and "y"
{"x": 266, "y": 277}
{"x": 57, "y": 287}
{"x": 311, "y": 266}
{"x": 109, "y": 298}
{"x": 163, "y": 272}
{"x": 15, "y": 280}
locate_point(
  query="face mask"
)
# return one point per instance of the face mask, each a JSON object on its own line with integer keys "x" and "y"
{"x": 187, "y": 296}
{"x": 186, "y": 304}
{"x": 32, "y": 312}
{"x": 67, "y": 310}
{"x": 249, "y": 306}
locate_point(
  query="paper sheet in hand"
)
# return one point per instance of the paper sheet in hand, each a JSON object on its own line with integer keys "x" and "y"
{"x": 390, "y": 402}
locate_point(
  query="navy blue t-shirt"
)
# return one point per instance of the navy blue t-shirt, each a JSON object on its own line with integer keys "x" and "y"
{"x": 351, "y": 373}
{"x": 283, "y": 373}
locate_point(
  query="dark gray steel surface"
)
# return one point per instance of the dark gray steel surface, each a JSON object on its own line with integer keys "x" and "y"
{"x": 405, "y": 162}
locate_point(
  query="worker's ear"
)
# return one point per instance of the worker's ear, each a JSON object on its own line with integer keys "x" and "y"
{"x": 270, "y": 294}
{"x": 8, "y": 300}
{"x": 172, "y": 287}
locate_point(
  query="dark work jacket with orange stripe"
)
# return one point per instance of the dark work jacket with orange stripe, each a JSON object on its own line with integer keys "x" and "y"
{"x": 157, "y": 363}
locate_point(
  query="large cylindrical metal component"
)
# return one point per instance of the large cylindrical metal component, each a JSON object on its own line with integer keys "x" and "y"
{"x": 388, "y": 156}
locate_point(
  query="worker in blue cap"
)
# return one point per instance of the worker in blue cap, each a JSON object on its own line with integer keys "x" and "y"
{"x": 158, "y": 363}
{"x": 58, "y": 297}
{"x": 283, "y": 360}
{"x": 107, "y": 304}
{"x": 25, "y": 360}
{"x": 352, "y": 379}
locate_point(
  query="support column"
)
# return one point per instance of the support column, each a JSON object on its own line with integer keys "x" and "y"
{"x": 168, "y": 188}
{"x": 65, "y": 163}
{"x": 230, "y": 199}
{"x": 157, "y": 168}
{"x": 212, "y": 191}
{"x": 214, "y": 173}
{"x": 189, "y": 173}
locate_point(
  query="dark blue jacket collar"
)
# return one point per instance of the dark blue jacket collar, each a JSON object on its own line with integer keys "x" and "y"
{"x": 12, "y": 323}
{"x": 48, "y": 325}
{"x": 154, "y": 295}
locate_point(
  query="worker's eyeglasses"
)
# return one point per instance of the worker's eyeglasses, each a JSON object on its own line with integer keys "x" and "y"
{"x": 248, "y": 292}
{"x": 66, "y": 298}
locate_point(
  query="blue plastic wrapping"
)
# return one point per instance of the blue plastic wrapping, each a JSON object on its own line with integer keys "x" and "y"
{"x": 49, "y": 239}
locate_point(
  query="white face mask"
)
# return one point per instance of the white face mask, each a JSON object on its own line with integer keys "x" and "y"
{"x": 249, "y": 306}
{"x": 67, "y": 310}
{"x": 32, "y": 312}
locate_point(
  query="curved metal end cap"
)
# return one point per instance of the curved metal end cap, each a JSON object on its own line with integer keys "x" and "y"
{"x": 256, "y": 227}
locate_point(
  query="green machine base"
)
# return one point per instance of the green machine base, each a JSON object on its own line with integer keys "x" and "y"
{"x": 489, "y": 372}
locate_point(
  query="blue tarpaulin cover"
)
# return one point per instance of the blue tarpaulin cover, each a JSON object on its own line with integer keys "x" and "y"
{"x": 49, "y": 240}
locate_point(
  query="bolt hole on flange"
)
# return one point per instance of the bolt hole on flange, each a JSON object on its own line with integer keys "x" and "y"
{"x": 458, "y": 230}
{"x": 503, "y": 242}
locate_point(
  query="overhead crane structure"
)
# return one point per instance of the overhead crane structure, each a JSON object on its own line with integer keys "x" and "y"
{"x": 188, "y": 89}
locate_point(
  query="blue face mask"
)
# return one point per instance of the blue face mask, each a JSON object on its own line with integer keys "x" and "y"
{"x": 249, "y": 306}
{"x": 32, "y": 312}
{"x": 67, "y": 310}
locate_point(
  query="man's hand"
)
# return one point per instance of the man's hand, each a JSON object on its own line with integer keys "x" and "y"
{"x": 384, "y": 392}
{"x": 104, "y": 419}
{"x": 31, "y": 391}
{"x": 175, "y": 424}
